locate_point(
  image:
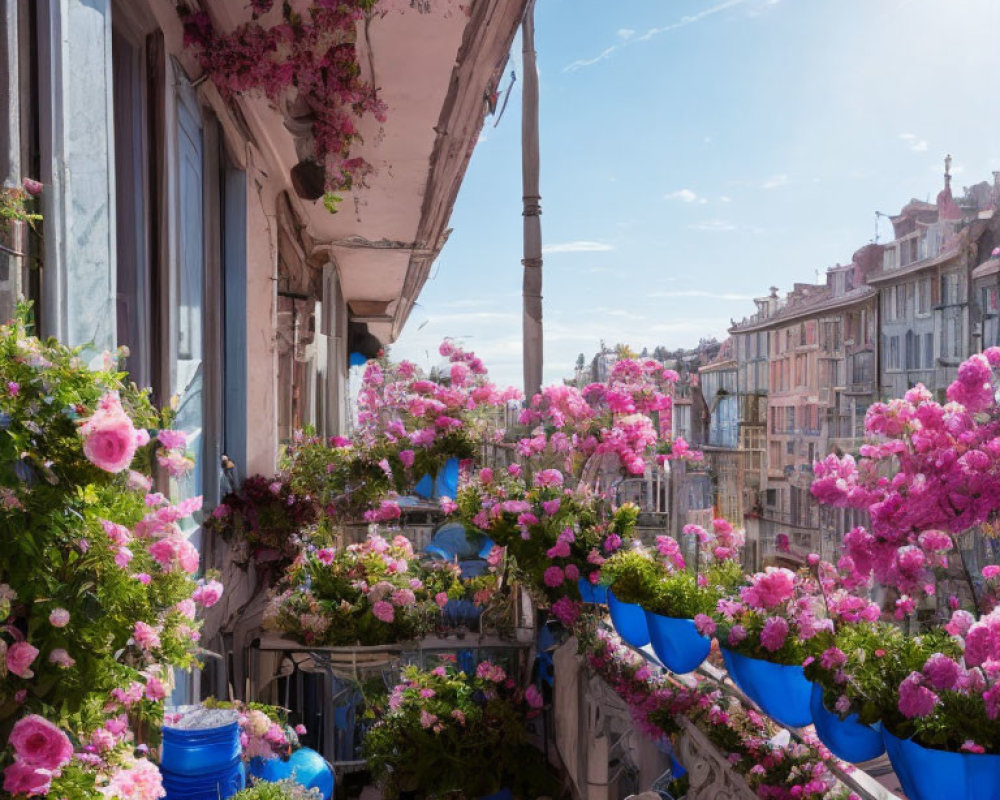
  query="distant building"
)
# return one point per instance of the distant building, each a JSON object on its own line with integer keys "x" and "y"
{"x": 820, "y": 346}
{"x": 932, "y": 318}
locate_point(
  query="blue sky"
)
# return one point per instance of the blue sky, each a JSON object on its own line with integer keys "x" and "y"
{"x": 696, "y": 152}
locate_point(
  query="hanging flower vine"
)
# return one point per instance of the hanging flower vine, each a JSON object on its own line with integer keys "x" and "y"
{"x": 310, "y": 60}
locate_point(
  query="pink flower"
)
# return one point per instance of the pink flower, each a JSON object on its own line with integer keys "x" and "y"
{"x": 737, "y": 634}
{"x": 155, "y": 690}
{"x": 60, "y": 657}
{"x": 403, "y": 598}
{"x": 441, "y": 598}
{"x": 566, "y": 610}
{"x": 325, "y": 556}
{"x": 407, "y": 457}
{"x": 59, "y": 618}
{"x": 991, "y": 571}
{"x": 384, "y": 611}
{"x": 427, "y": 719}
{"x": 19, "y": 658}
{"x": 208, "y": 594}
{"x": 774, "y": 633}
{"x": 942, "y": 672}
{"x": 833, "y": 658}
{"x": 109, "y": 437}
{"x": 40, "y": 744}
{"x": 554, "y": 576}
{"x": 915, "y": 700}
{"x": 32, "y": 187}
{"x": 300, "y": 729}
{"x": 20, "y": 778}
{"x": 572, "y": 572}
{"x": 172, "y": 440}
{"x": 970, "y": 746}
{"x": 769, "y": 588}
{"x": 534, "y": 697}
{"x": 486, "y": 476}
{"x": 549, "y": 477}
{"x": 704, "y": 624}
{"x": 146, "y": 636}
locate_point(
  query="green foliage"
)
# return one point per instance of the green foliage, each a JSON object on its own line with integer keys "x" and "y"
{"x": 57, "y": 553}
{"x": 452, "y": 735}
{"x": 282, "y": 790}
{"x": 679, "y": 594}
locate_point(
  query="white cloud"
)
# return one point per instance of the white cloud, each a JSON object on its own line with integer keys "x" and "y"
{"x": 702, "y": 293}
{"x": 577, "y": 247}
{"x": 725, "y": 199}
{"x": 589, "y": 62}
{"x": 686, "y": 196}
{"x": 713, "y": 225}
{"x": 776, "y": 182}
{"x": 627, "y": 35}
{"x": 914, "y": 142}
{"x": 690, "y": 19}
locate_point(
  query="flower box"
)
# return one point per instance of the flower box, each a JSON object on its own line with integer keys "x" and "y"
{"x": 848, "y": 739}
{"x": 928, "y": 774}
{"x": 677, "y": 642}
{"x": 629, "y": 620}
{"x": 782, "y": 691}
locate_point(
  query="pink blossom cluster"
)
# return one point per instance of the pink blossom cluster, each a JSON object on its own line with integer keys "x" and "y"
{"x": 315, "y": 55}
{"x": 931, "y": 472}
{"x": 110, "y": 439}
{"x": 41, "y": 750}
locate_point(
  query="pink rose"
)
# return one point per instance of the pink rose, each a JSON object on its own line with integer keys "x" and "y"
{"x": 441, "y": 598}
{"x": 384, "y": 611}
{"x": 19, "y": 658}
{"x": 534, "y": 697}
{"x": 208, "y": 594}
{"x": 109, "y": 437}
{"x": 172, "y": 440}
{"x": 21, "y": 778}
{"x": 146, "y": 636}
{"x": 59, "y": 618}
{"x": 40, "y": 744}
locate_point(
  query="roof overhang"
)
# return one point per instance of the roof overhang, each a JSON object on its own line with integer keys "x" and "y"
{"x": 436, "y": 70}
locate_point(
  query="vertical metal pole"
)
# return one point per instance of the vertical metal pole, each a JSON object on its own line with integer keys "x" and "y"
{"x": 532, "y": 261}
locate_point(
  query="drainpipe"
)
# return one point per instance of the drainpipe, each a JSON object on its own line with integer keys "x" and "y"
{"x": 532, "y": 261}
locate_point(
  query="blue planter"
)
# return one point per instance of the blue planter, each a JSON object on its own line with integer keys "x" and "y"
{"x": 202, "y": 764}
{"x": 629, "y": 620}
{"x": 677, "y": 642}
{"x": 306, "y": 767}
{"x": 847, "y": 738}
{"x": 782, "y": 691}
{"x": 928, "y": 774}
{"x": 591, "y": 593}
{"x": 461, "y": 612}
{"x": 443, "y": 484}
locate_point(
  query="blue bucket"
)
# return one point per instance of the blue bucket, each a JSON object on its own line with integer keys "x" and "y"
{"x": 306, "y": 767}
{"x": 592, "y": 593}
{"x": 928, "y": 774}
{"x": 782, "y": 691}
{"x": 629, "y": 620}
{"x": 677, "y": 642}
{"x": 848, "y": 739}
{"x": 203, "y": 764}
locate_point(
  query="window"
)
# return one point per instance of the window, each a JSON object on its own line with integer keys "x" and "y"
{"x": 131, "y": 168}
{"x": 912, "y": 350}
{"x": 892, "y": 352}
{"x": 990, "y": 301}
{"x": 900, "y": 297}
{"x": 890, "y": 258}
{"x": 923, "y": 296}
{"x": 928, "y": 350}
{"x": 949, "y": 289}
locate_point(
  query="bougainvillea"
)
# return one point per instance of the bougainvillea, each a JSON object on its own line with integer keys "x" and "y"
{"x": 309, "y": 57}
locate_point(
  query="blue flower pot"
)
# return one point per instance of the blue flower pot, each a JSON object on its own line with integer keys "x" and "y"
{"x": 461, "y": 612}
{"x": 203, "y": 764}
{"x": 503, "y": 794}
{"x": 847, "y": 738}
{"x": 629, "y": 620}
{"x": 306, "y": 767}
{"x": 677, "y": 642}
{"x": 928, "y": 774}
{"x": 591, "y": 593}
{"x": 782, "y": 691}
